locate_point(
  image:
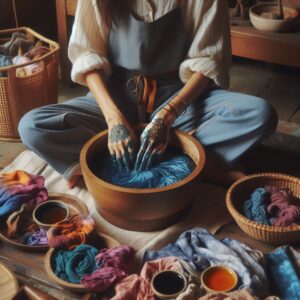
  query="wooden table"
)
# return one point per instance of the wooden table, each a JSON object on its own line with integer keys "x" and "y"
{"x": 29, "y": 267}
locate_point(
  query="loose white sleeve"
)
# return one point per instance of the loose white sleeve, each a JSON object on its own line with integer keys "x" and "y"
{"x": 210, "y": 49}
{"x": 88, "y": 43}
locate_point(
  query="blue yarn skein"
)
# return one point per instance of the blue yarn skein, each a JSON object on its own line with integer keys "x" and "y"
{"x": 255, "y": 208}
{"x": 171, "y": 170}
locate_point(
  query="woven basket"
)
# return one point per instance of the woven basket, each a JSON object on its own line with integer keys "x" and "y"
{"x": 19, "y": 95}
{"x": 241, "y": 190}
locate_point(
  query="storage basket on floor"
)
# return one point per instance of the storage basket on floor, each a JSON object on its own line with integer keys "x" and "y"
{"x": 241, "y": 190}
{"x": 19, "y": 95}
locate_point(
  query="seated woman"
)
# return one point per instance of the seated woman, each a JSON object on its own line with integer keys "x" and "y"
{"x": 161, "y": 62}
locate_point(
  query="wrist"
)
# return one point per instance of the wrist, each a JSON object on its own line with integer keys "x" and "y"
{"x": 167, "y": 115}
{"x": 115, "y": 117}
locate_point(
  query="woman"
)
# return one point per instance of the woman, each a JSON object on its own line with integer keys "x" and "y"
{"x": 162, "y": 62}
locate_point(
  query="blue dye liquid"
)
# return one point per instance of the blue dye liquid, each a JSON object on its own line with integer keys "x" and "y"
{"x": 173, "y": 167}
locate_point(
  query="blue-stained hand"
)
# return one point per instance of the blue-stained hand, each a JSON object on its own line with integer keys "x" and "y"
{"x": 154, "y": 140}
{"x": 122, "y": 145}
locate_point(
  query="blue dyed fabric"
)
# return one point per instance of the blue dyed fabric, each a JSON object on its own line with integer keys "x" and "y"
{"x": 283, "y": 273}
{"x": 169, "y": 171}
{"x": 72, "y": 265}
{"x": 4, "y": 62}
{"x": 255, "y": 208}
{"x": 201, "y": 250}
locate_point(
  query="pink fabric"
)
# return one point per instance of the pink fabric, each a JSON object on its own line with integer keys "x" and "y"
{"x": 288, "y": 216}
{"x": 138, "y": 287}
{"x": 114, "y": 265}
{"x": 280, "y": 199}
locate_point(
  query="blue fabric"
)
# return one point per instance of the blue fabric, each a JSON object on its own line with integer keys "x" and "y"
{"x": 283, "y": 274}
{"x": 169, "y": 171}
{"x": 72, "y": 265}
{"x": 4, "y": 62}
{"x": 201, "y": 250}
{"x": 255, "y": 208}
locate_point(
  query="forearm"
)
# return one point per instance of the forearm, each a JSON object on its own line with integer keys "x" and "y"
{"x": 191, "y": 91}
{"x": 97, "y": 86}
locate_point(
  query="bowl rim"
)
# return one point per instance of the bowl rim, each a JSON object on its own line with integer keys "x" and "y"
{"x": 157, "y": 293}
{"x": 255, "y": 15}
{"x": 199, "y": 167}
{"x": 237, "y": 215}
{"x": 222, "y": 267}
{"x": 57, "y": 202}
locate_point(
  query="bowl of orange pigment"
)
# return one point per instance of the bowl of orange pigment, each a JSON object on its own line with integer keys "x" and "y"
{"x": 219, "y": 279}
{"x": 142, "y": 209}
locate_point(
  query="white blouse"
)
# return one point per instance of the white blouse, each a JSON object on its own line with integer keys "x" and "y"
{"x": 207, "y": 24}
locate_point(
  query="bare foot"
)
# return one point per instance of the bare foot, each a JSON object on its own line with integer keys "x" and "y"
{"x": 73, "y": 181}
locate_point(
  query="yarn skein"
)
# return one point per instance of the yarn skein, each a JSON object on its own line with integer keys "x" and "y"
{"x": 71, "y": 233}
{"x": 171, "y": 170}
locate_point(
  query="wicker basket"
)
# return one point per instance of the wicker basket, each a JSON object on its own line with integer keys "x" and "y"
{"x": 19, "y": 95}
{"x": 240, "y": 192}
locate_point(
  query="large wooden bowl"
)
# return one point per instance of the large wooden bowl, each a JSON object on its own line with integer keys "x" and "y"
{"x": 142, "y": 209}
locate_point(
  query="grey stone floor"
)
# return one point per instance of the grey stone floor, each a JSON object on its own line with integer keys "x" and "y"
{"x": 278, "y": 85}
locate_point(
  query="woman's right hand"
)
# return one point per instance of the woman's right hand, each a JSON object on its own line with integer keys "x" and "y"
{"x": 122, "y": 142}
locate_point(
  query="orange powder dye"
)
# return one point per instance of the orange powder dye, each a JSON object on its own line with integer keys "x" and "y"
{"x": 219, "y": 280}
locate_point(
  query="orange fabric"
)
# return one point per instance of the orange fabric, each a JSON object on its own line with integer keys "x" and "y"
{"x": 15, "y": 178}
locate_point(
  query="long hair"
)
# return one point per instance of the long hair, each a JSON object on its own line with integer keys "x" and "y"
{"x": 109, "y": 9}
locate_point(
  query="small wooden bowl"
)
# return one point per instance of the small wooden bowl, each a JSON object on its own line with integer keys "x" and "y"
{"x": 226, "y": 271}
{"x": 48, "y": 205}
{"x": 142, "y": 209}
{"x": 101, "y": 241}
{"x": 272, "y": 25}
{"x": 75, "y": 205}
{"x": 175, "y": 282}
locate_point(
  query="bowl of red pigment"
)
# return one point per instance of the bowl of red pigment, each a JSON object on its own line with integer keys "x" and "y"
{"x": 49, "y": 213}
{"x": 219, "y": 279}
{"x": 142, "y": 209}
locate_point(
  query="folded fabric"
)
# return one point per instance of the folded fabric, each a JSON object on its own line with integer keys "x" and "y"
{"x": 20, "y": 187}
{"x": 72, "y": 265}
{"x": 283, "y": 273}
{"x": 112, "y": 266}
{"x": 201, "y": 250}
{"x": 71, "y": 233}
{"x": 20, "y": 224}
{"x": 255, "y": 208}
{"x": 37, "y": 51}
{"x": 28, "y": 69}
{"x": 4, "y": 62}
{"x": 38, "y": 238}
{"x": 139, "y": 287}
{"x": 18, "y": 40}
{"x": 171, "y": 170}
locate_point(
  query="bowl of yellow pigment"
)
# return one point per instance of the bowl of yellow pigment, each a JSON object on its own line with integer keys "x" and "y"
{"x": 141, "y": 209}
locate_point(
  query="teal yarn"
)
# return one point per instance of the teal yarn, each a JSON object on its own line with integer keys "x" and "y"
{"x": 172, "y": 169}
{"x": 255, "y": 208}
{"x": 72, "y": 265}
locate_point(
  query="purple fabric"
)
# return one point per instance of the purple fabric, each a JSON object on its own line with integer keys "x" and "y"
{"x": 20, "y": 187}
{"x": 39, "y": 238}
{"x": 280, "y": 199}
{"x": 288, "y": 216}
{"x": 113, "y": 265}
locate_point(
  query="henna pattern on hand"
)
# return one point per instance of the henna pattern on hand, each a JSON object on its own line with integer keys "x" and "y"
{"x": 118, "y": 133}
{"x": 158, "y": 133}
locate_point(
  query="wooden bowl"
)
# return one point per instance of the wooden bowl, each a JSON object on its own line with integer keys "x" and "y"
{"x": 75, "y": 206}
{"x": 102, "y": 241}
{"x": 142, "y": 209}
{"x": 272, "y": 25}
{"x": 241, "y": 190}
{"x": 8, "y": 283}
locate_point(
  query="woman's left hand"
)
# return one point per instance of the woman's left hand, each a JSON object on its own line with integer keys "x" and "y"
{"x": 154, "y": 140}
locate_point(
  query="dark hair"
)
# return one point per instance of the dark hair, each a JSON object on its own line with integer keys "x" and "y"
{"x": 109, "y": 9}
